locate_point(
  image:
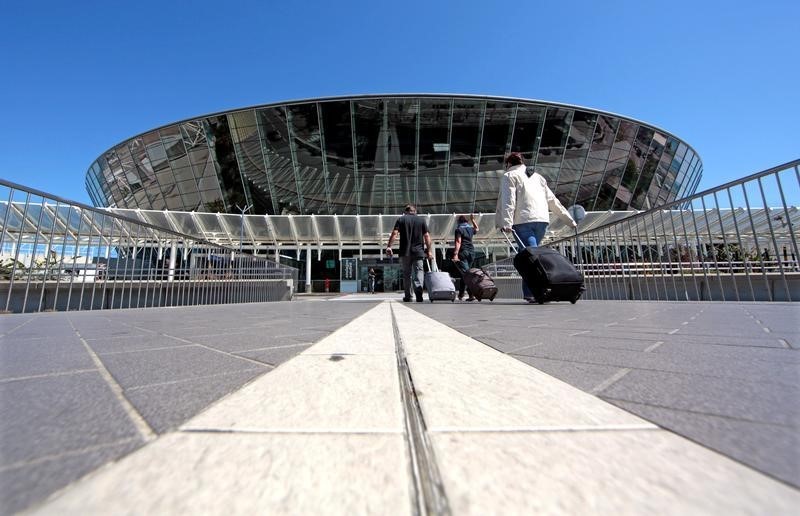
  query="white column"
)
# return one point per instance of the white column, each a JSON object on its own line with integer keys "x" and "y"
{"x": 173, "y": 251}
{"x": 308, "y": 268}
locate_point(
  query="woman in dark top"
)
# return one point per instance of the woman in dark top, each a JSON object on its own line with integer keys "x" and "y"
{"x": 464, "y": 252}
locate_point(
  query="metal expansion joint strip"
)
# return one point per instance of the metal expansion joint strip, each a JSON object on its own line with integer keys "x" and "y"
{"x": 428, "y": 495}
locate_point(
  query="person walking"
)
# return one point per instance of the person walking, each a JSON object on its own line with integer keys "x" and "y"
{"x": 464, "y": 252}
{"x": 523, "y": 205}
{"x": 415, "y": 244}
{"x": 371, "y": 280}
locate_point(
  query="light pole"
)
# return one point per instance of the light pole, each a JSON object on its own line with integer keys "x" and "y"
{"x": 241, "y": 227}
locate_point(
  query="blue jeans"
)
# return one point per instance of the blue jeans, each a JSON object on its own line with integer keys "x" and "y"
{"x": 529, "y": 234}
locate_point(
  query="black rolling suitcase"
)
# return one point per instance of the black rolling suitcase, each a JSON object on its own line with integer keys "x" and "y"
{"x": 549, "y": 275}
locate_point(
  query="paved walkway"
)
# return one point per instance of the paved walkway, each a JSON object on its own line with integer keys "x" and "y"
{"x": 391, "y": 410}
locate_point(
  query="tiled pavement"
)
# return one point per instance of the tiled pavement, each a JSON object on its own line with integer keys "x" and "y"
{"x": 331, "y": 429}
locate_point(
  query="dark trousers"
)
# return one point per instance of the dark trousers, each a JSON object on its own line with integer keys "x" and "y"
{"x": 413, "y": 276}
{"x": 463, "y": 264}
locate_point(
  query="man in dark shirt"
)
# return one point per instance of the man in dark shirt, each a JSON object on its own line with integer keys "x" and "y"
{"x": 415, "y": 244}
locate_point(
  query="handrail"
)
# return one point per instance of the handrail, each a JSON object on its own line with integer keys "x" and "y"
{"x": 683, "y": 201}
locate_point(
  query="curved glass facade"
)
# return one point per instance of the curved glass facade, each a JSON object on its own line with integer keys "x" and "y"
{"x": 374, "y": 154}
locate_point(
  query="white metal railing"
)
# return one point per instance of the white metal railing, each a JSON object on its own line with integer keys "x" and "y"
{"x": 57, "y": 254}
{"x": 738, "y": 241}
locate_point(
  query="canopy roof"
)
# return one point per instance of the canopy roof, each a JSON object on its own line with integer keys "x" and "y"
{"x": 73, "y": 224}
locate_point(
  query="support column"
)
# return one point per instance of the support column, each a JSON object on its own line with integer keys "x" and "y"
{"x": 173, "y": 251}
{"x": 308, "y": 268}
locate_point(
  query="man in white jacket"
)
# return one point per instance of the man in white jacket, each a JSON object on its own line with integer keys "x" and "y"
{"x": 523, "y": 204}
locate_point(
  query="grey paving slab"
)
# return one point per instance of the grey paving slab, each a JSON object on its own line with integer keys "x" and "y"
{"x": 242, "y": 340}
{"x": 583, "y": 376}
{"x": 167, "y": 405}
{"x": 713, "y": 351}
{"x": 148, "y": 367}
{"x": 29, "y": 483}
{"x": 49, "y": 416}
{"x": 21, "y": 358}
{"x": 772, "y": 449}
{"x": 36, "y": 330}
{"x": 126, "y": 344}
{"x": 748, "y": 400}
{"x": 274, "y": 355}
{"x": 770, "y": 372}
{"x": 765, "y": 341}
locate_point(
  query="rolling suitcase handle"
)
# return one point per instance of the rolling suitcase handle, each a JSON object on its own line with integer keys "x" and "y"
{"x": 432, "y": 268}
{"x": 510, "y": 243}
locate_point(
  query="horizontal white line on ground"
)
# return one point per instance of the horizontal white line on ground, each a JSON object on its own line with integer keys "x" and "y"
{"x": 70, "y": 453}
{"x": 47, "y": 375}
{"x": 195, "y": 378}
{"x": 555, "y": 428}
{"x": 312, "y": 431}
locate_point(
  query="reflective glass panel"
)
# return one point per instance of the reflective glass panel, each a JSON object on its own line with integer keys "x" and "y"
{"x": 307, "y": 148}
{"x": 668, "y": 190}
{"x": 554, "y": 136}
{"x": 648, "y": 172}
{"x": 227, "y": 166}
{"x": 633, "y": 170}
{"x": 465, "y": 145}
{"x": 434, "y": 153}
{"x": 618, "y": 161}
{"x": 662, "y": 171}
{"x": 496, "y": 140}
{"x": 157, "y": 157}
{"x": 578, "y": 143}
{"x": 276, "y": 143}
{"x": 335, "y": 124}
{"x": 602, "y": 141}
{"x": 528, "y": 131}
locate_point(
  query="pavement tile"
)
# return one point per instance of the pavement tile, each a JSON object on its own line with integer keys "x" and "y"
{"x": 133, "y": 343}
{"x": 24, "y": 485}
{"x": 111, "y": 330}
{"x": 342, "y": 393}
{"x": 583, "y": 376}
{"x": 369, "y": 334}
{"x": 21, "y": 358}
{"x": 774, "y": 372}
{"x": 749, "y": 400}
{"x": 167, "y": 406}
{"x": 423, "y": 335}
{"x": 148, "y": 367}
{"x": 225, "y": 474}
{"x": 47, "y": 416}
{"x": 472, "y": 391}
{"x": 274, "y": 355}
{"x": 37, "y": 329}
{"x": 242, "y": 341}
{"x": 772, "y": 449}
{"x": 764, "y": 341}
{"x": 708, "y": 351}
{"x": 620, "y": 472}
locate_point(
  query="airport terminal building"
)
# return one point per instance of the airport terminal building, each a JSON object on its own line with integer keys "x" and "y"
{"x": 332, "y": 173}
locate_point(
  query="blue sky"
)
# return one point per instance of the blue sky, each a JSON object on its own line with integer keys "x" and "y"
{"x": 78, "y": 77}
